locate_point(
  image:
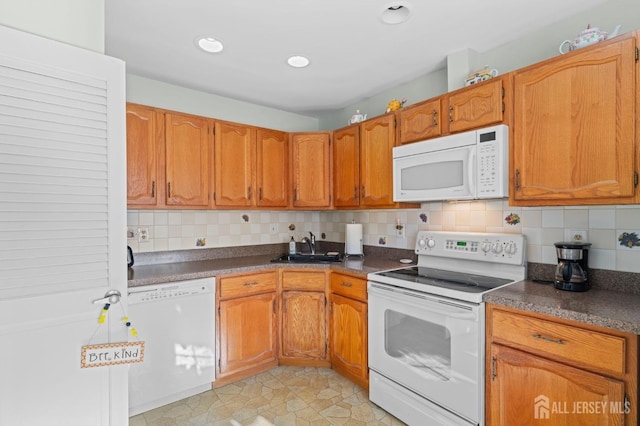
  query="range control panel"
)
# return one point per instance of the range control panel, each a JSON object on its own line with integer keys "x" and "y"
{"x": 487, "y": 247}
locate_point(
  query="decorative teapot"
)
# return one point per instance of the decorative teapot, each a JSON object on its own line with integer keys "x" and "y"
{"x": 587, "y": 37}
{"x": 357, "y": 117}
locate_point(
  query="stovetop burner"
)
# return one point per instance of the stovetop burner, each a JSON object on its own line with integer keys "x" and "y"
{"x": 465, "y": 282}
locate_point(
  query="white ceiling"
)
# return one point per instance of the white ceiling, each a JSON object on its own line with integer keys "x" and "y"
{"x": 353, "y": 54}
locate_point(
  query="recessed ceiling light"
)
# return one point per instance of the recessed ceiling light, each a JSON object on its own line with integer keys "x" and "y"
{"x": 395, "y": 13}
{"x": 210, "y": 44}
{"x": 298, "y": 61}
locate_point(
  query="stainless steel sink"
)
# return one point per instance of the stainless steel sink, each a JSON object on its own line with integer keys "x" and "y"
{"x": 308, "y": 258}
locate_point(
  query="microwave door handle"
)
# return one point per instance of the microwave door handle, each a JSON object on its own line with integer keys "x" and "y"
{"x": 471, "y": 168}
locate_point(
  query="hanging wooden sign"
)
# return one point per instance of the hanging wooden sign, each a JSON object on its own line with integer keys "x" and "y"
{"x": 112, "y": 354}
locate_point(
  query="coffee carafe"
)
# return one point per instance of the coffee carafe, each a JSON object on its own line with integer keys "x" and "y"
{"x": 572, "y": 272}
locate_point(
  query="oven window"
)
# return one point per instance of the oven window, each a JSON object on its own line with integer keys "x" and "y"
{"x": 418, "y": 343}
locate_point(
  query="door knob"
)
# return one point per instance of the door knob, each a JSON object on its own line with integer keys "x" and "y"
{"x": 112, "y": 297}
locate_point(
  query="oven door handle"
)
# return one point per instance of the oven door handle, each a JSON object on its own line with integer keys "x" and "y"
{"x": 446, "y": 307}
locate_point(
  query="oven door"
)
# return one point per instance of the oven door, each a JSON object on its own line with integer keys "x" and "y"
{"x": 432, "y": 346}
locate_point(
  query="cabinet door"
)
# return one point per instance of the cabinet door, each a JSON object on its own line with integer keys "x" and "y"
{"x": 311, "y": 170}
{"x": 304, "y": 325}
{"x": 348, "y": 331}
{"x": 247, "y": 332}
{"x": 377, "y": 138}
{"x": 346, "y": 167}
{"x": 420, "y": 121}
{"x": 477, "y": 106}
{"x": 234, "y": 159}
{"x": 272, "y": 168}
{"x": 187, "y": 140}
{"x": 573, "y": 130}
{"x": 144, "y": 138}
{"x": 523, "y": 388}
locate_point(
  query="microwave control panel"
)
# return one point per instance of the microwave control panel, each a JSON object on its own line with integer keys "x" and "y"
{"x": 492, "y": 161}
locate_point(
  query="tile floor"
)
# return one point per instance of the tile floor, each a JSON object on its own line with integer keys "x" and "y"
{"x": 282, "y": 396}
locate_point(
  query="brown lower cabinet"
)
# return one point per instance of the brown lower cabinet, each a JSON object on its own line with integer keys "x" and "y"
{"x": 247, "y": 325}
{"x": 281, "y": 316}
{"x": 303, "y": 317}
{"x": 556, "y": 371}
{"x": 348, "y": 327}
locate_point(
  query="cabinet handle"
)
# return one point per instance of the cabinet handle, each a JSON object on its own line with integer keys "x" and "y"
{"x": 295, "y": 194}
{"x": 493, "y": 368}
{"x": 450, "y": 113}
{"x": 260, "y": 194}
{"x": 435, "y": 118}
{"x": 168, "y": 189}
{"x": 153, "y": 189}
{"x": 363, "y": 192}
{"x": 274, "y": 307}
{"x": 517, "y": 180}
{"x": 343, "y": 284}
{"x": 355, "y": 192}
{"x": 250, "y": 284}
{"x": 549, "y": 339}
{"x": 249, "y": 193}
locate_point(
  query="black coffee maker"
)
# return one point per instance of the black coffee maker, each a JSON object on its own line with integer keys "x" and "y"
{"x": 572, "y": 272}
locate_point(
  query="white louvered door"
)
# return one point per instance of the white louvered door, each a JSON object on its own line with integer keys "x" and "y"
{"x": 62, "y": 231}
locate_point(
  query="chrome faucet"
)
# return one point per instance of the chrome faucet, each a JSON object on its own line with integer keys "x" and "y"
{"x": 311, "y": 242}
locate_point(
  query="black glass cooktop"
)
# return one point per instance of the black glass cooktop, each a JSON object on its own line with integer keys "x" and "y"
{"x": 460, "y": 281}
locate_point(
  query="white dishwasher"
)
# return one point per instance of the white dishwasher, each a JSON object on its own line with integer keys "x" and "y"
{"x": 177, "y": 323}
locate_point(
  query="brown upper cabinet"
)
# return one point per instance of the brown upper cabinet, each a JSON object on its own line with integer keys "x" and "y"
{"x": 420, "y": 121}
{"x": 167, "y": 159}
{"x": 251, "y": 166}
{"x": 234, "y": 155}
{"x": 145, "y": 127}
{"x": 311, "y": 170}
{"x": 469, "y": 108}
{"x": 363, "y": 164}
{"x": 574, "y": 128}
{"x": 188, "y": 141}
{"x": 377, "y": 138}
{"x": 346, "y": 169}
{"x": 476, "y": 106}
{"x": 272, "y": 168}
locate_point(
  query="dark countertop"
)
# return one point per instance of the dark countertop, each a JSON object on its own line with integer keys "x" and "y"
{"x": 180, "y": 271}
{"x": 602, "y": 306}
{"x": 606, "y": 308}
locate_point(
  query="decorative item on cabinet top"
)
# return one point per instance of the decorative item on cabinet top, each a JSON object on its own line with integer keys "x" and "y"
{"x": 357, "y": 117}
{"x": 483, "y": 74}
{"x": 589, "y": 36}
{"x": 395, "y": 104}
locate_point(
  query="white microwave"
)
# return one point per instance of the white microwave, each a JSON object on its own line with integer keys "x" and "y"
{"x": 464, "y": 166}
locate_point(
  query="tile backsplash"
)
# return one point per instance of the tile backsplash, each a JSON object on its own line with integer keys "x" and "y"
{"x": 614, "y": 231}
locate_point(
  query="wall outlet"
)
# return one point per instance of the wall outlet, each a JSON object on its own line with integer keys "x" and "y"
{"x": 400, "y": 230}
{"x": 143, "y": 234}
{"x": 576, "y": 235}
{"x": 131, "y": 233}
{"x": 274, "y": 228}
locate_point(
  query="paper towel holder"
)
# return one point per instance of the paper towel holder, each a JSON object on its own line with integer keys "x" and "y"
{"x": 351, "y": 249}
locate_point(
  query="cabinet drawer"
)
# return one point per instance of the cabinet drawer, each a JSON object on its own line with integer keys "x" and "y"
{"x": 303, "y": 280}
{"x": 349, "y": 286}
{"x": 246, "y": 285}
{"x": 560, "y": 341}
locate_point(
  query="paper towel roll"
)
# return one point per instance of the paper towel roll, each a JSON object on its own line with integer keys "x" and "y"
{"x": 353, "y": 240}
